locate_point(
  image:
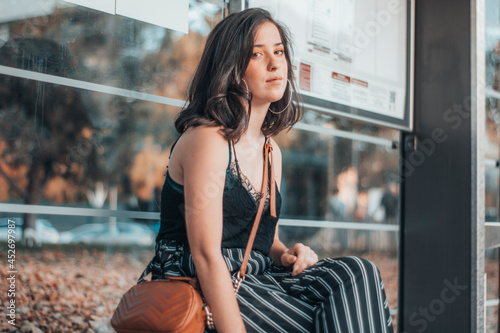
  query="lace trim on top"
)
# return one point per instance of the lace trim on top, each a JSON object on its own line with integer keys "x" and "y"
{"x": 248, "y": 185}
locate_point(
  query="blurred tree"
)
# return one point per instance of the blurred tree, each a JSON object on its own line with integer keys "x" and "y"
{"x": 45, "y": 129}
{"x": 69, "y": 145}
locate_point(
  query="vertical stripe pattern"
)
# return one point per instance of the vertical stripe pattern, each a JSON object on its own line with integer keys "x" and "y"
{"x": 342, "y": 295}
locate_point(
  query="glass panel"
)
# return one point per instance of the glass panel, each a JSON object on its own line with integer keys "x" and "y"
{"x": 492, "y": 45}
{"x": 68, "y": 146}
{"x": 492, "y": 270}
{"x": 492, "y": 116}
{"x": 106, "y": 147}
{"x": 84, "y": 230}
{"x": 492, "y": 148}
{"x": 491, "y": 319}
{"x": 492, "y": 198}
{"x": 492, "y": 152}
{"x": 492, "y": 14}
{"x": 336, "y": 179}
{"x": 84, "y": 44}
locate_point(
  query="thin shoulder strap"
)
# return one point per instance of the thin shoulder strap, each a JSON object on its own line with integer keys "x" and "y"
{"x": 172, "y": 149}
{"x": 230, "y": 156}
{"x": 235, "y": 159}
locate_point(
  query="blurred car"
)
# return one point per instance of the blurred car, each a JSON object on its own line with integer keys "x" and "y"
{"x": 125, "y": 233}
{"x": 155, "y": 226}
{"x": 44, "y": 230}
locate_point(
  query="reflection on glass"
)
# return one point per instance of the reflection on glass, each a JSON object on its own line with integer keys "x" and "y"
{"x": 491, "y": 270}
{"x": 492, "y": 13}
{"x": 492, "y": 150}
{"x": 492, "y": 115}
{"x": 68, "y": 146}
{"x": 492, "y": 197}
{"x": 71, "y": 147}
{"x": 108, "y": 49}
{"x": 335, "y": 179}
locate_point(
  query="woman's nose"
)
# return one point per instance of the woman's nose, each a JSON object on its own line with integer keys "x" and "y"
{"x": 274, "y": 63}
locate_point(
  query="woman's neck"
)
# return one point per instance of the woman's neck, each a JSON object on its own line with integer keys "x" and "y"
{"x": 254, "y": 131}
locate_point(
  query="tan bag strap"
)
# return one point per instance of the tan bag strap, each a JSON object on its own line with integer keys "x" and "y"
{"x": 268, "y": 161}
{"x": 268, "y": 149}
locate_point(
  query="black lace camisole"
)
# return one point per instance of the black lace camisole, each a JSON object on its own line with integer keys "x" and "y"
{"x": 240, "y": 203}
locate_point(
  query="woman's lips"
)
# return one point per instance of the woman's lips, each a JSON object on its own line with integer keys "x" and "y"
{"x": 275, "y": 78}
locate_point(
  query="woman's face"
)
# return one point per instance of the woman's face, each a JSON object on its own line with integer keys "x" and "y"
{"x": 267, "y": 71}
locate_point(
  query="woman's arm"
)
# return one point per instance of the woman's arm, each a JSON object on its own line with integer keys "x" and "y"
{"x": 299, "y": 255}
{"x": 278, "y": 248}
{"x": 203, "y": 155}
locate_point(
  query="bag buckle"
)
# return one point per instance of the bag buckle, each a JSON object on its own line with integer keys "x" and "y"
{"x": 238, "y": 282}
{"x": 210, "y": 318}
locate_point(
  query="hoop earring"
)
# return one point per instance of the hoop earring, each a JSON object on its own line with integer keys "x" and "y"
{"x": 289, "y": 101}
{"x": 246, "y": 85}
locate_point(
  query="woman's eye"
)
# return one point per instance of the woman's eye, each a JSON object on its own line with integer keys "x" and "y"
{"x": 256, "y": 55}
{"x": 280, "y": 52}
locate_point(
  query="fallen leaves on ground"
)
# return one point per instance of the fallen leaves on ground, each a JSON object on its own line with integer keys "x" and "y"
{"x": 69, "y": 290}
{"x": 76, "y": 289}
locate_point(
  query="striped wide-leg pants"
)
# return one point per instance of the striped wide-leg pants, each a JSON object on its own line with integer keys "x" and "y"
{"x": 335, "y": 295}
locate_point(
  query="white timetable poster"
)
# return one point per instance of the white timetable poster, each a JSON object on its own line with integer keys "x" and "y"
{"x": 349, "y": 53}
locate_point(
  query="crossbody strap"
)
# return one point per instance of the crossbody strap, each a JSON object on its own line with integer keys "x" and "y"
{"x": 268, "y": 161}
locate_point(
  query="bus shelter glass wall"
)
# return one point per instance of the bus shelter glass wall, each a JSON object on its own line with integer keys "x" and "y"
{"x": 79, "y": 147}
{"x": 492, "y": 153}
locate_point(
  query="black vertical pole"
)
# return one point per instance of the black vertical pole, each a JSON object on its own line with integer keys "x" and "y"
{"x": 437, "y": 290}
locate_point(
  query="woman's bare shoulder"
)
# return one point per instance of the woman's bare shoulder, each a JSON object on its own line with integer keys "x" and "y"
{"x": 201, "y": 142}
{"x": 203, "y": 136}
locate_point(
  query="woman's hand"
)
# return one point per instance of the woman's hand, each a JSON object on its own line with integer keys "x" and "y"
{"x": 300, "y": 256}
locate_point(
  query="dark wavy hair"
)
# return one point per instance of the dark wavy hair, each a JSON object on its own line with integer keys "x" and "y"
{"x": 216, "y": 92}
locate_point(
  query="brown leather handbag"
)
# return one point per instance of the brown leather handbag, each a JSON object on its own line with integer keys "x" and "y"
{"x": 160, "y": 306}
{"x": 174, "y": 304}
